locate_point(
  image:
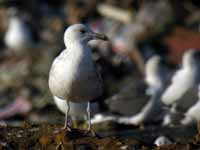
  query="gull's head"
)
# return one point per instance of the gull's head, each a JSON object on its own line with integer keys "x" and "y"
{"x": 16, "y": 18}
{"x": 80, "y": 33}
{"x": 152, "y": 65}
{"x": 152, "y": 70}
{"x": 191, "y": 58}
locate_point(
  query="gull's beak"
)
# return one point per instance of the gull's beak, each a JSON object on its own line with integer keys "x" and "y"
{"x": 99, "y": 36}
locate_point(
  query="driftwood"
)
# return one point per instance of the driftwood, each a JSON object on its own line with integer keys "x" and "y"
{"x": 115, "y": 13}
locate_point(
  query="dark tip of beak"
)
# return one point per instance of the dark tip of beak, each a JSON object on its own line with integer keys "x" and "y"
{"x": 100, "y": 36}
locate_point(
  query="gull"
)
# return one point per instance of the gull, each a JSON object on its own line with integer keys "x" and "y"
{"x": 73, "y": 75}
{"x": 157, "y": 74}
{"x": 192, "y": 115}
{"x": 156, "y": 77}
{"x": 18, "y": 36}
{"x": 184, "y": 80}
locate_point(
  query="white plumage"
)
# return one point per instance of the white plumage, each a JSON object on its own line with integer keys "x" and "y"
{"x": 156, "y": 74}
{"x": 155, "y": 78}
{"x": 18, "y": 36}
{"x": 192, "y": 115}
{"x": 73, "y": 74}
{"x": 184, "y": 83}
{"x": 184, "y": 79}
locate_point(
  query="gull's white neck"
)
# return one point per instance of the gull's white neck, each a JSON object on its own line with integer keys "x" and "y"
{"x": 79, "y": 49}
{"x": 15, "y": 23}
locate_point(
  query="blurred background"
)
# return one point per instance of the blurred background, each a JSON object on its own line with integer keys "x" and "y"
{"x": 31, "y": 36}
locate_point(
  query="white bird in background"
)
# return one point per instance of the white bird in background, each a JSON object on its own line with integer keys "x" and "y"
{"x": 73, "y": 75}
{"x": 193, "y": 113}
{"x": 156, "y": 76}
{"x": 19, "y": 36}
{"x": 185, "y": 80}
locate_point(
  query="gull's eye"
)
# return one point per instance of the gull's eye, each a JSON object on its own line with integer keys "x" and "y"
{"x": 83, "y": 31}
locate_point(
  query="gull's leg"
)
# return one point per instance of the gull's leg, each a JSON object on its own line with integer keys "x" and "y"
{"x": 66, "y": 126}
{"x": 89, "y": 122}
{"x": 88, "y": 116}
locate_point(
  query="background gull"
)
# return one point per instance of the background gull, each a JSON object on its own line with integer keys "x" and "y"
{"x": 156, "y": 77}
{"x": 184, "y": 79}
{"x": 129, "y": 100}
{"x": 157, "y": 74}
{"x": 73, "y": 75}
{"x": 19, "y": 36}
{"x": 184, "y": 83}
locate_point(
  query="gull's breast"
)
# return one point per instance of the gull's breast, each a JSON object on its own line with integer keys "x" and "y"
{"x": 75, "y": 78}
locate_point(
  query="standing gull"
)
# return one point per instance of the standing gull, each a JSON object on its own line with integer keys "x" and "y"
{"x": 73, "y": 75}
{"x": 156, "y": 76}
{"x": 19, "y": 36}
{"x": 184, "y": 81}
